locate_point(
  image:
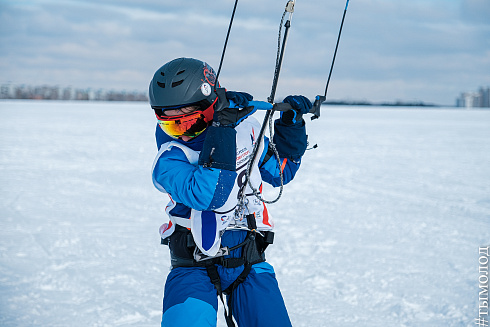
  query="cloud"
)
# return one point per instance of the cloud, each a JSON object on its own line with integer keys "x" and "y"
{"x": 476, "y": 11}
{"x": 428, "y": 50}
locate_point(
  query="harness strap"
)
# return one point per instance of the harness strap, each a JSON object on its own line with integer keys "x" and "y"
{"x": 250, "y": 256}
{"x": 232, "y": 287}
{"x": 253, "y": 247}
{"x": 240, "y": 279}
{"x": 214, "y": 276}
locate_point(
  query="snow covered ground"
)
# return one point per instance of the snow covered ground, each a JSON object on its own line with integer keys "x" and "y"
{"x": 380, "y": 228}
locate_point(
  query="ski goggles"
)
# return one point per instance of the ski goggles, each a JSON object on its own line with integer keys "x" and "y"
{"x": 187, "y": 124}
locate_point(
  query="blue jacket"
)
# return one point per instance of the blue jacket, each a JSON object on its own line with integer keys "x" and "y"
{"x": 208, "y": 195}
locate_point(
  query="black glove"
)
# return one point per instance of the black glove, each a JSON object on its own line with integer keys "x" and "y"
{"x": 231, "y": 117}
{"x": 301, "y": 105}
{"x": 219, "y": 148}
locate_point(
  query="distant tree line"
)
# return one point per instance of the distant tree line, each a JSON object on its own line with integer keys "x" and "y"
{"x": 46, "y": 92}
{"x": 390, "y": 104}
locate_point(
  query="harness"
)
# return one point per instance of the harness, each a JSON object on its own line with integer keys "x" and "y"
{"x": 185, "y": 253}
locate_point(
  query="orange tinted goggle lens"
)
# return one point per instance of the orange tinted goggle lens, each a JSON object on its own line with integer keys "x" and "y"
{"x": 190, "y": 125}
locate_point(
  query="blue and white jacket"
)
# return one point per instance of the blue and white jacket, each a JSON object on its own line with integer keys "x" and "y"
{"x": 204, "y": 199}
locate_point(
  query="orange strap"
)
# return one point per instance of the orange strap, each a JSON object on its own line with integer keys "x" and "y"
{"x": 283, "y": 164}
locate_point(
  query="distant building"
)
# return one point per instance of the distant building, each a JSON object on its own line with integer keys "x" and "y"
{"x": 480, "y": 99}
{"x": 485, "y": 97}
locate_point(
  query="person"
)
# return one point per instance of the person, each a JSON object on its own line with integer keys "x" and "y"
{"x": 217, "y": 241}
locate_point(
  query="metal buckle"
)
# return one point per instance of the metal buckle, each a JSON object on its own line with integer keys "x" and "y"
{"x": 290, "y": 6}
{"x": 199, "y": 256}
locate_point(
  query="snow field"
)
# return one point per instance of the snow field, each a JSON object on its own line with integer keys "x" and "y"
{"x": 380, "y": 227}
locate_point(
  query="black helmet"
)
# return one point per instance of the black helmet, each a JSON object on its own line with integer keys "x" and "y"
{"x": 183, "y": 81}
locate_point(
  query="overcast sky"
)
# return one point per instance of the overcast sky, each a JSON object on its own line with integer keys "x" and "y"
{"x": 410, "y": 50}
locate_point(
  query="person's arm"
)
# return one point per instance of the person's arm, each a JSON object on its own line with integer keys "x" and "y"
{"x": 197, "y": 187}
{"x": 291, "y": 141}
{"x": 208, "y": 185}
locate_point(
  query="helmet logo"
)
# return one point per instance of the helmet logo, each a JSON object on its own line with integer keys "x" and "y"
{"x": 206, "y": 89}
{"x": 209, "y": 74}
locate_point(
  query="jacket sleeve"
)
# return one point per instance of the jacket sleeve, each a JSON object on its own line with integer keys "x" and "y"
{"x": 291, "y": 142}
{"x": 194, "y": 186}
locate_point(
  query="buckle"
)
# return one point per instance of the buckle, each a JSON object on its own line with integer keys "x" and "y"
{"x": 199, "y": 256}
{"x": 231, "y": 262}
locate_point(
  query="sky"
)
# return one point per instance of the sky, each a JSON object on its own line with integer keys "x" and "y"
{"x": 390, "y": 50}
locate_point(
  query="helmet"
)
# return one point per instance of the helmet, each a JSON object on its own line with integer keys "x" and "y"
{"x": 181, "y": 82}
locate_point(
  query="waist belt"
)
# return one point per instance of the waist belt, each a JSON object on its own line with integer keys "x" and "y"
{"x": 185, "y": 253}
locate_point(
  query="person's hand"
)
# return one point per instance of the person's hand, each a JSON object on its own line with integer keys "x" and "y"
{"x": 231, "y": 117}
{"x": 219, "y": 147}
{"x": 301, "y": 105}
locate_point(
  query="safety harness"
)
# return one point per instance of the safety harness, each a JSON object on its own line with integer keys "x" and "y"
{"x": 253, "y": 248}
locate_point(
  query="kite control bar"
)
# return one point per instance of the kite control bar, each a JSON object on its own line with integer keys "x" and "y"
{"x": 223, "y": 102}
{"x": 262, "y": 105}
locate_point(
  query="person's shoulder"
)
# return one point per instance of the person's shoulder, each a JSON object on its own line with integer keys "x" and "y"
{"x": 174, "y": 150}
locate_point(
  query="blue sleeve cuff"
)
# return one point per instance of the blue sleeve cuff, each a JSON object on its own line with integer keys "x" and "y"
{"x": 271, "y": 170}
{"x": 290, "y": 140}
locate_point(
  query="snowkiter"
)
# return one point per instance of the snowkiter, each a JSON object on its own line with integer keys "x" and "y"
{"x": 217, "y": 242}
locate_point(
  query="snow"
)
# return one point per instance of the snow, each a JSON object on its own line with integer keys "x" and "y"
{"x": 381, "y": 226}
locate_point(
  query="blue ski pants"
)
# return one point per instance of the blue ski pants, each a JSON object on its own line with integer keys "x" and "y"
{"x": 190, "y": 298}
